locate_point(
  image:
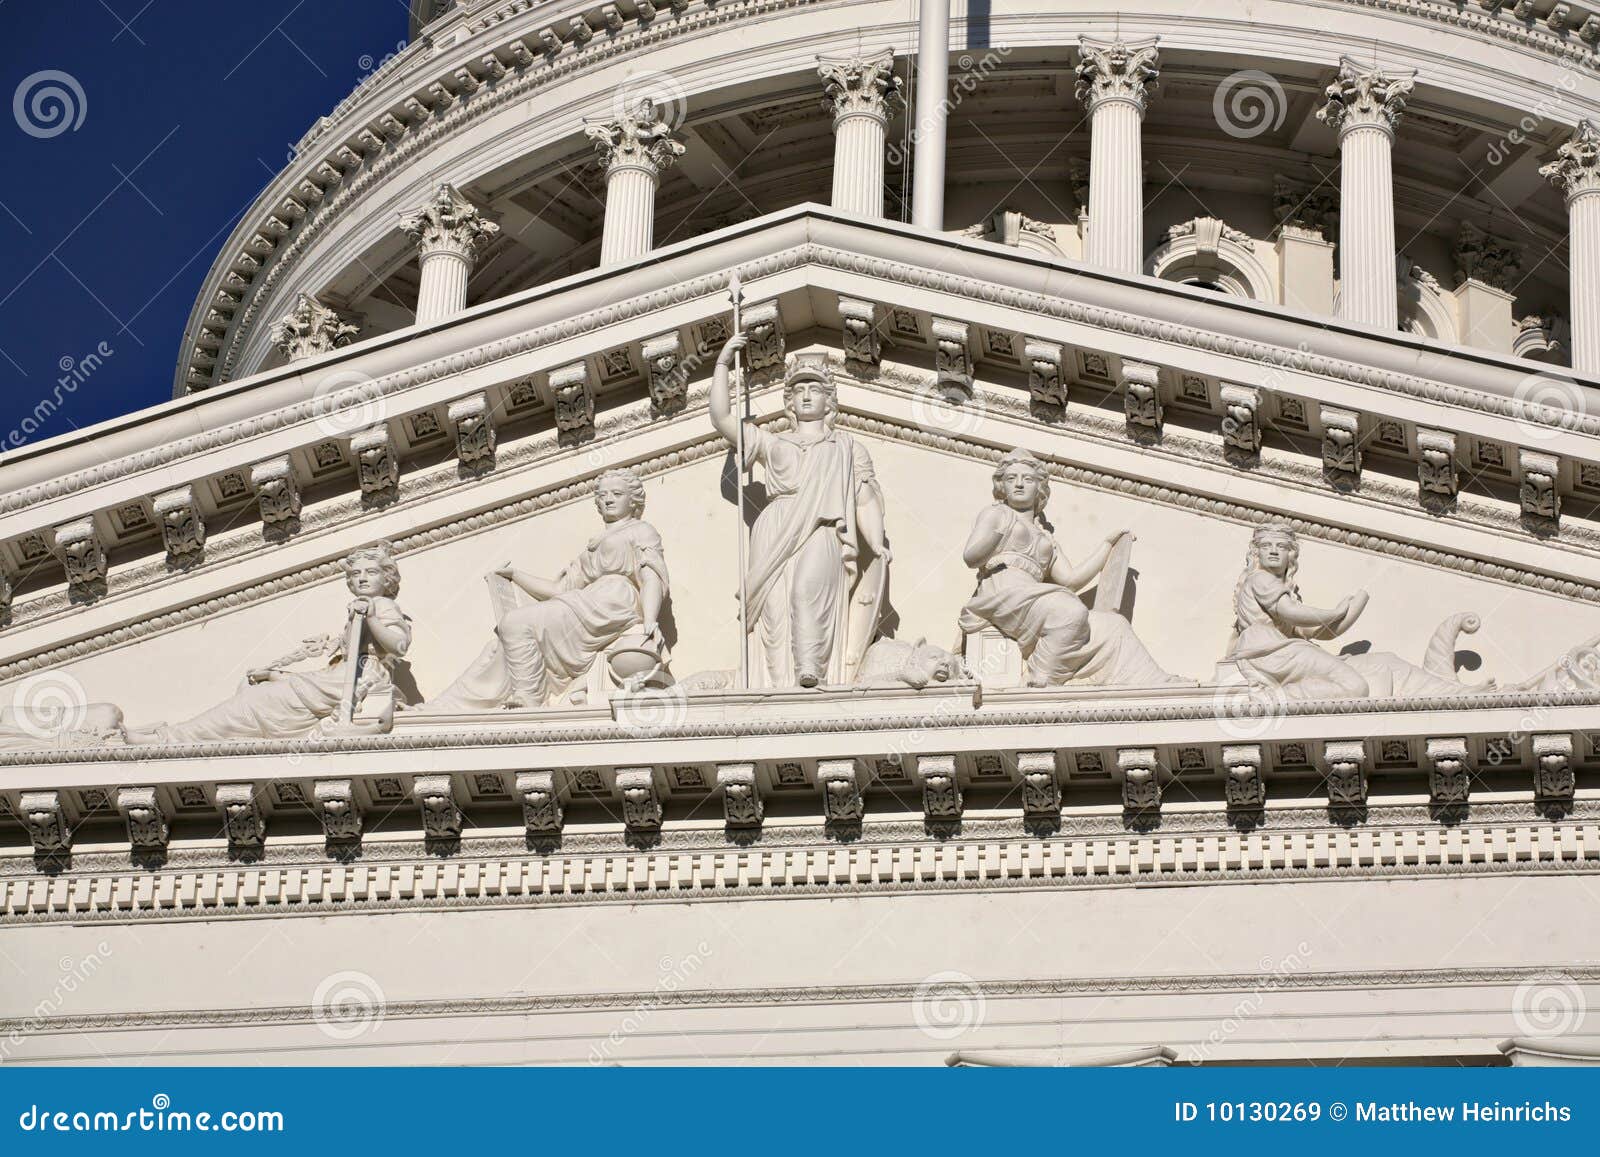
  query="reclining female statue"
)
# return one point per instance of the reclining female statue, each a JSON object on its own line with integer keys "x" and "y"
{"x": 1026, "y": 591}
{"x": 611, "y": 593}
{"x": 275, "y": 702}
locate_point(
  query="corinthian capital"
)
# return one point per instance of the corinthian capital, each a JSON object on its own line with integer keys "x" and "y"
{"x": 1576, "y": 169}
{"x": 309, "y": 329}
{"x": 639, "y": 137}
{"x": 860, "y": 85}
{"x": 1364, "y": 98}
{"x": 449, "y": 223}
{"x": 1116, "y": 70}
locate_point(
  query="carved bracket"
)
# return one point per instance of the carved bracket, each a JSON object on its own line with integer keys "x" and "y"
{"x": 1246, "y": 789}
{"x": 475, "y": 433}
{"x": 741, "y": 795}
{"x": 1047, "y": 386}
{"x": 148, "y": 829}
{"x": 641, "y": 803}
{"x": 574, "y": 404}
{"x": 1437, "y": 482}
{"x": 1554, "y": 783}
{"x": 541, "y": 803}
{"x": 83, "y": 557}
{"x": 1041, "y": 790}
{"x": 1449, "y": 774}
{"x": 339, "y": 811}
{"x": 840, "y": 782}
{"x": 1141, "y": 400}
{"x": 764, "y": 327}
{"x": 377, "y": 465}
{"x": 862, "y": 345}
{"x": 242, "y": 820}
{"x": 1241, "y": 423}
{"x": 46, "y": 820}
{"x": 436, "y": 801}
{"x": 1141, "y": 780}
{"x": 1341, "y": 448}
{"x": 183, "y": 528}
{"x": 941, "y": 791}
{"x": 1539, "y": 493}
{"x": 952, "y": 358}
{"x": 276, "y": 492}
{"x": 663, "y": 363}
{"x": 1344, "y": 763}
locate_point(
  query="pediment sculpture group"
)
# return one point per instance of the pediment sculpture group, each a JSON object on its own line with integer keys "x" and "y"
{"x": 817, "y": 568}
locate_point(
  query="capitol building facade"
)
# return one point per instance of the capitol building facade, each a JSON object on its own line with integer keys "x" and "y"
{"x": 858, "y": 533}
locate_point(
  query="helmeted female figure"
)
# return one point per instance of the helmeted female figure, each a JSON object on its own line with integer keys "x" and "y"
{"x": 1026, "y": 591}
{"x": 812, "y": 605}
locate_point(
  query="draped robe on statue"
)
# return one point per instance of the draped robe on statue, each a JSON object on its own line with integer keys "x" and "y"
{"x": 552, "y": 644}
{"x": 804, "y": 559}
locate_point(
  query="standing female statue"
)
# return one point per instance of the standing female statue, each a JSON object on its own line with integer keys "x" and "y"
{"x": 612, "y": 591}
{"x": 275, "y": 702}
{"x": 1273, "y": 629}
{"x": 812, "y": 608}
{"x": 1026, "y": 591}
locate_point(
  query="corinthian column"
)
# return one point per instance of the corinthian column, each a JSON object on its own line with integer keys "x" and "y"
{"x": 634, "y": 149}
{"x": 1362, "y": 106}
{"x": 864, "y": 93}
{"x": 1576, "y": 172}
{"x": 1114, "y": 79}
{"x": 449, "y": 232}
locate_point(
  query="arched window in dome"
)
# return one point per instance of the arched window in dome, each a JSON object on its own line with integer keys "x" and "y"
{"x": 1207, "y": 254}
{"x": 1423, "y": 308}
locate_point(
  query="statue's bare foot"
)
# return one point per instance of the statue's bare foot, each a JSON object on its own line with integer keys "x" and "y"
{"x": 809, "y": 679}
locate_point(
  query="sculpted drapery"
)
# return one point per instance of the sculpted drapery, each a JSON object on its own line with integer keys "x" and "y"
{"x": 612, "y": 591}
{"x": 1026, "y": 591}
{"x": 818, "y": 559}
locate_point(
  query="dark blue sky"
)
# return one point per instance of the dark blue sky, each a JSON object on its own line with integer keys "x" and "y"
{"x": 189, "y": 108}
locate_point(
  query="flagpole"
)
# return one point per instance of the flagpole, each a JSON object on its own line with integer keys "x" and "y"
{"x": 741, "y": 412}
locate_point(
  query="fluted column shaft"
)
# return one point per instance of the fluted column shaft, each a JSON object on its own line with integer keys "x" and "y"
{"x": 1583, "y": 215}
{"x": 443, "y": 288}
{"x": 630, "y": 224}
{"x": 864, "y": 94}
{"x": 1114, "y": 79}
{"x": 1576, "y": 171}
{"x": 449, "y": 232}
{"x": 1363, "y": 105}
{"x": 933, "y": 107}
{"x": 634, "y": 149}
{"x": 1368, "y": 286}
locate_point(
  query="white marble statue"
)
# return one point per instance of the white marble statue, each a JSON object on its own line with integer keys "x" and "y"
{"x": 1026, "y": 591}
{"x": 1272, "y": 645}
{"x": 818, "y": 562}
{"x": 610, "y": 595}
{"x": 275, "y": 702}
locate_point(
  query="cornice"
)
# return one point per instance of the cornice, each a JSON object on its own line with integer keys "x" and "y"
{"x": 677, "y": 997}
